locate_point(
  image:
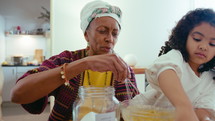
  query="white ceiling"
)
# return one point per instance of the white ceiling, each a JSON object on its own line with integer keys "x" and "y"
{"x": 23, "y": 8}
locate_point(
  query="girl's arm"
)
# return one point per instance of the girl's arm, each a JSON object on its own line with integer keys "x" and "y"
{"x": 171, "y": 86}
{"x": 204, "y": 114}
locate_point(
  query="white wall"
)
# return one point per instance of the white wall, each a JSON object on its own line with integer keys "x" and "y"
{"x": 146, "y": 25}
{"x": 2, "y": 39}
{"x": 204, "y": 4}
{"x": 65, "y": 25}
{"x": 24, "y": 46}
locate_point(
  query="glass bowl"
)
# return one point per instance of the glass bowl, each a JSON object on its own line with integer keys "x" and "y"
{"x": 146, "y": 113}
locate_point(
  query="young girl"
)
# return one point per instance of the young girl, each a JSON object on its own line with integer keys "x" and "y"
{"x": 182, "y": 76}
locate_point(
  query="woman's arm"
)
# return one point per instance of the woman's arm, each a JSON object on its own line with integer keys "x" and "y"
{"x": 171, "y": 86}
{"x": 38, "y": 85}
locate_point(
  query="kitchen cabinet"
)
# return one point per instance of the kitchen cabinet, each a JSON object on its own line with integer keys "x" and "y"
{"x": 9, "y": 80}
{"x": 11, "y": 74}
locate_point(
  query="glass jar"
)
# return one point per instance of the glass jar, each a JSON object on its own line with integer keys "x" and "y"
{"x": 96, "y": 104}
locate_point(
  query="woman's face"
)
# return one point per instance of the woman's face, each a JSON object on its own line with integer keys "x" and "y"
{"x": 102, "y": 35}
{"x": 201, "y": 44}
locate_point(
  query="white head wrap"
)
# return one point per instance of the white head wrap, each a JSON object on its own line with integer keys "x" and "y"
{"x": 96, "y": 9}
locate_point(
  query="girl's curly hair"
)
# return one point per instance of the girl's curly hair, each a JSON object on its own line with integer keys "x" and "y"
{"x": 178, "y": 38}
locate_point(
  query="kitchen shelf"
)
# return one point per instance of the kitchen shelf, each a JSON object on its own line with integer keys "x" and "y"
{"x": 19, "y": 35}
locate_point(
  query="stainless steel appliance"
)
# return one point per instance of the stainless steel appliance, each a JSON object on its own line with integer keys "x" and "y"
{"x": 17, "y": 60}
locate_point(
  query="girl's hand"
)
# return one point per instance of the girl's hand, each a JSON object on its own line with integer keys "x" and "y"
{"x": 204, "y": 114}
{"x": 184, "y": 114}
{"x": 207, "y": 119}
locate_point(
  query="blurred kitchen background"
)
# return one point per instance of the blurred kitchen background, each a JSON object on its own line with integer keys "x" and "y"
{"x": 23, "y": 35}
{"x": 146, "y": 25}
{"x": 24, "y": 43}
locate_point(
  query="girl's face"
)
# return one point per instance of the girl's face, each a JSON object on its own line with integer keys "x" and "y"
{"x": 201, "y": 44}
{"x": 102, "y": 35}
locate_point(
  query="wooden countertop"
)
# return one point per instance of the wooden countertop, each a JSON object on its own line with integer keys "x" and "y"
{"x": 139, "y": 70}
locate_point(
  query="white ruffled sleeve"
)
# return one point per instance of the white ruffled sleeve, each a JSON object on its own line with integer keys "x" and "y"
{"x": 206, "y": 100}
{"x": 172, "y": 60}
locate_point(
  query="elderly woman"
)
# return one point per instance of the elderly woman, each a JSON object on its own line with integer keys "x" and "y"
{"x": 101, "y": 25}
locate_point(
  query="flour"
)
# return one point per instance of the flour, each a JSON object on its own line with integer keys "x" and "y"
{"x": 89, "y": 117}
{"x": 100, "y": 117}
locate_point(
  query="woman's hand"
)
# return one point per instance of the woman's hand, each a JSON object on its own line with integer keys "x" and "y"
{"x": 109, "y": 62}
